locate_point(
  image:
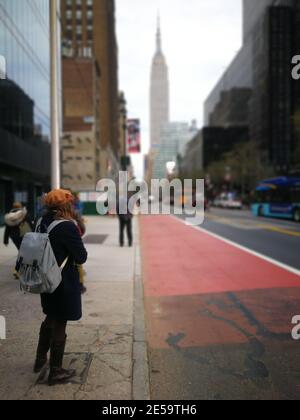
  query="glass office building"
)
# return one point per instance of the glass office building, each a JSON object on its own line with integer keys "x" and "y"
{"x": 273, "y": 28}
{"x": 239, "y": 75}
{"x": 271, "y": 37}
{"x": 174, "y": 138}
{"x": 24, "y": 102}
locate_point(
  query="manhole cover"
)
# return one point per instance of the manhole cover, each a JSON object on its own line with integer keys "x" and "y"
{"x": 95, "y": 239}
{"x": 81, "y": 362}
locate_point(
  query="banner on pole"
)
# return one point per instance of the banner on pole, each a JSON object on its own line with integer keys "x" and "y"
{"x": 134, "y": 136}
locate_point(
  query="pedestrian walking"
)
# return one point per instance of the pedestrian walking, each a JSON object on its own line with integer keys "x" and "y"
{"x": 125, "y": 220}
{"x": 79, "y": 206}
{"x": 65, "y": 303}
{"x": 17, "y": 224}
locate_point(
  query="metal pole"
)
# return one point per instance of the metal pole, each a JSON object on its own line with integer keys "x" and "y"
{"x": 54, "y": 57}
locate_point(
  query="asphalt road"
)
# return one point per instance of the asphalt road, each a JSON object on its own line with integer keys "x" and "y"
{"x": 218, "y": 317}
{"x": 275, "y": 238}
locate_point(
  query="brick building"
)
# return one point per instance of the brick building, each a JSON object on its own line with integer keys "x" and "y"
{"x": 88, "y": 32}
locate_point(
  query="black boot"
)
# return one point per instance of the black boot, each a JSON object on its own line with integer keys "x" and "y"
{"x": 57, "y": 374}
{"x": 43, "y": 348}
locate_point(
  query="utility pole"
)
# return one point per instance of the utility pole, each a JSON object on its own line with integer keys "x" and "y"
{"x": 55, "y": 132}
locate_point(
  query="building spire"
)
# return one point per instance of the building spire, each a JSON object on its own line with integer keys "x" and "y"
{"x": 158, "y": 35}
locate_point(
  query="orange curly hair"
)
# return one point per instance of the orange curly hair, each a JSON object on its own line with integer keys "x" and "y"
{"x": 61, "y": 202}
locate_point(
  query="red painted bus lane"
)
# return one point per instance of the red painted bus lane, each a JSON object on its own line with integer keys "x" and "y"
{"x": 218, "y": 318}
{"x": 179, "y": 260}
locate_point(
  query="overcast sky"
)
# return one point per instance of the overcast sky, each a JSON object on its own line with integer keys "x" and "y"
{"x": 199, "y": 37}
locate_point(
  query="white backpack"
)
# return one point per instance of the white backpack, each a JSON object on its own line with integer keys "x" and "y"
{"x": 37, "y": 266}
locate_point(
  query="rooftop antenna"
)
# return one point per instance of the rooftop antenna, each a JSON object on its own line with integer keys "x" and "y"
{"x": 158, "y": 34}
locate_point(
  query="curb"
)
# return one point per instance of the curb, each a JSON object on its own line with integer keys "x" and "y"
{"x": 141, "y": 377}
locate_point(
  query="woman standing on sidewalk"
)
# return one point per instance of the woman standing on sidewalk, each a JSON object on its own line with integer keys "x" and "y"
{"x": 65, "y": 303}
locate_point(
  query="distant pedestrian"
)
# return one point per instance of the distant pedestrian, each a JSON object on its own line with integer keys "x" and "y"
{"x": 125, "y": 215}
{"x": 17, "y": 224}
{"x": 79, "y": 206}
{"x": 65, "y": 303}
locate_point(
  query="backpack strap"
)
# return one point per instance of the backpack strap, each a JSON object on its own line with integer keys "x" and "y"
{"x": 49, "y": 230}
{"x": 64, "y": 264}
{"x": 55, "y": 224}
{"x": 38, "y": 225}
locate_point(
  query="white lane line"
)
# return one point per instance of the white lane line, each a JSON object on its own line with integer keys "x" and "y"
{"x": 243, "y": 248}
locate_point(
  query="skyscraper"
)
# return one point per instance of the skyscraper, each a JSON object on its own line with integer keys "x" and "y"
{"x": 24, "y": 102}
{"x": 174, "y": 138}
{"x": 260, "y": 77}
{"x": 159, "y": 92}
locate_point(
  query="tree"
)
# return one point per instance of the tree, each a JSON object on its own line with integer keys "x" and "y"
{"x": 246, "y": 167}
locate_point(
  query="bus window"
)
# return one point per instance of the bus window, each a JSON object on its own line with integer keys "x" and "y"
{"x": 295, "y": 195}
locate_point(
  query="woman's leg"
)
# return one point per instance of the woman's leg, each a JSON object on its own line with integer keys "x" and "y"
{"x": 59, "y": 333}
{"x": 44, "y": 344}
{"x": 58, "y": 375}
{"x": 129, "y": 232}
{"x": 122, "y": 227}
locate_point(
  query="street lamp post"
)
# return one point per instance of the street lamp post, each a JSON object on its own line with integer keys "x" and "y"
{"x": 123, "y": 113}
{"x": 54, "y": 56}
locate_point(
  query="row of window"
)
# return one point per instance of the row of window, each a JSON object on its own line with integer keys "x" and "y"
{"x": 78, "y": 14}
{"x": 70, "y": 3}
{"x": 76, "y": 158}
{"x": 79, "y": 29}
{"x": 79, "y": 177}
{"x": 86, "y": 52}
{"x": 280, "y": 195}
{"x": 80, "y": 140}
{"x": 79, "y": 35}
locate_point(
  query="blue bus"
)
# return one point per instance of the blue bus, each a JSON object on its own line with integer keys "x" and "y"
{"x": 278, "y": 197}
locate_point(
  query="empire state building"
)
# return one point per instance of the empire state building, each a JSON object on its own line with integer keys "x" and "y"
{"x": 159, "y": 93}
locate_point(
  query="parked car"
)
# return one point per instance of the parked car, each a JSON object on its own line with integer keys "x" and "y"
{"x": 228, "y": 201}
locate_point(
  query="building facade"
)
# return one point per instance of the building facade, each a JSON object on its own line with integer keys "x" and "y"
{"x": 271, "y": 37}
{"x": 24, "y": 103}
{"x": 232, "y": 110}
{"x": 159, "y": 93}
{"x": 192, "y": 162}
{"x": 174, "y": 138}
{"x": 209, "y": 145}
{"x": 88, "y": 31}
{"x": 81, "y": 115}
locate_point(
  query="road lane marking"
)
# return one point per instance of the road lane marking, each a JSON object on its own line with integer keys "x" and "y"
{"x": 283, "y": 231}
{"x": 229, "y": 222}
{"x": 241, "y": 247}
{"x": 248, "y": 225}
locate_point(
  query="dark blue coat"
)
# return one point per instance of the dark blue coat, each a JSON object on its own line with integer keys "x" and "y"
{"x": 65, "y": 303}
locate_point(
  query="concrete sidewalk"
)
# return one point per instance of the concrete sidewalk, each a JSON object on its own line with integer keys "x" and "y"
{"x": 102, "y": 346}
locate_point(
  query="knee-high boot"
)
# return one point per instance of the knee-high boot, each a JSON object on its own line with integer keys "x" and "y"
{"x": 57, "y": 374}
{"x": 43, "y": 348}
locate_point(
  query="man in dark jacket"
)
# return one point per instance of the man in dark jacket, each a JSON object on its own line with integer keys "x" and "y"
{"x": 125, "y": 220}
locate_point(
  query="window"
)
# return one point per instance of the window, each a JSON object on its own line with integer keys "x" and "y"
{"x": 69, "y": 14}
